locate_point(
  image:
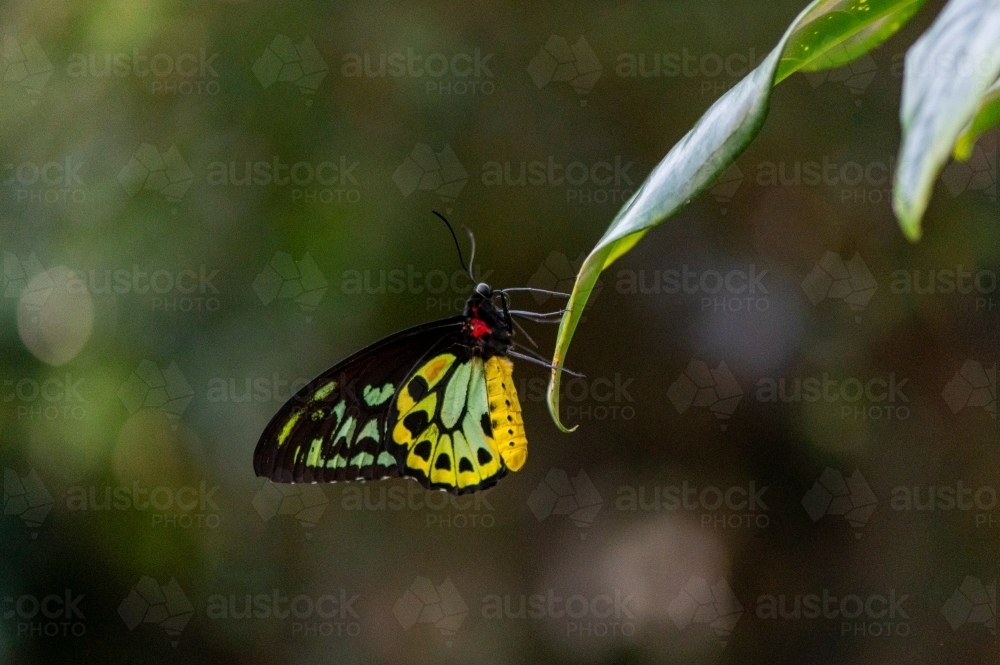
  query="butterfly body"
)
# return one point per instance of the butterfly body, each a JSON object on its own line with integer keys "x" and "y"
{"x": 436, "y": 403}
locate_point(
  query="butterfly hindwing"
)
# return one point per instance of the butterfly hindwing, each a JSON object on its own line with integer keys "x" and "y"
{"x": 505, "y": 412}
{"x": 335, "y": 427}
{"x": 443, "y": 434}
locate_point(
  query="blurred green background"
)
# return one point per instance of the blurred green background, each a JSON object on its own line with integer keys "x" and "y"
{"x": 206, "y": 204}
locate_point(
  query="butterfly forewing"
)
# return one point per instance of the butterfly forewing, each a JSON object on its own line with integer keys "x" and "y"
{"x": 334, "y": 428}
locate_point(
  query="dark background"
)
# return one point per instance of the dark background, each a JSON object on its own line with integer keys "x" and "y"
{"x": 113, "y": 395}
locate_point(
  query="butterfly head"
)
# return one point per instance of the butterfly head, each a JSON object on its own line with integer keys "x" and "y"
{"x": 488, "y": 316}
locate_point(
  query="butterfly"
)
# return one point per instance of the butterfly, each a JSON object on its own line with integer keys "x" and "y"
{"x": 436, "y": 403}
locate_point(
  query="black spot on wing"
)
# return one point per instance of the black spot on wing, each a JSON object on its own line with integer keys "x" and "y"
{"x": 417, "y": 387}
{"x": 423, "y": 450}
{"x": 464, "y": 464}
{"x": 416, "y": 422}
{"x": 486, "y": 425}
{"x": 443, "y": 462}
{"x": 483, "y": 456}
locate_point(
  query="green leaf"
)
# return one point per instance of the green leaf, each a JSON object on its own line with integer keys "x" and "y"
{"x": 721, "y": 134}
{"x": 831, "y": 37}
{"x": 986, "y": 118}
{"x": 946, "y": 73}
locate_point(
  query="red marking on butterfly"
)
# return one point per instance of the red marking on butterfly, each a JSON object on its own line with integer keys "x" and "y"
{"x": 478, "y": 328}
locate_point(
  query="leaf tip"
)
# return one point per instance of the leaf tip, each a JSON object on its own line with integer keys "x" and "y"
{"x": 553, "y": 402}
{"x": 911, "y": 228}
{"x": 909, "y": 212}
{"x": 963, "y": 149}
{"x": 554, "y": 412}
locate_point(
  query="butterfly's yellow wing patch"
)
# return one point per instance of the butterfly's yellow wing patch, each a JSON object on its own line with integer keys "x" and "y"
{"x": 505, "y": 412}
{"x": 446, "y": 418}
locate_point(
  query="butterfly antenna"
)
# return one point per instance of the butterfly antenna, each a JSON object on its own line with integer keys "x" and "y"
{"x": 461, "y": 259}
{"x": 472, "y": 259}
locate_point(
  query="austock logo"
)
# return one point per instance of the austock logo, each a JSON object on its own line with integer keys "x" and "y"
{"x": 428, "y": 171}
{"x": 559, "y": 62}
{"x": 874, "y": 398}
{"x": 582, "y": 615}
{"x": 54, "y": 398}
{"x": 851, "y": 614}
{"x": 27, "y": 498}
{"x": 328, "y": 181}
{"x": 259, "y": 389}
{"x": 700, "y": 386}
{"x": 49, "y": 182}
{"x": 732, "y": 507}
{"x": 860, "y": 614}
{"x": 456, "y": 74}
{"x": 735, "y": 291}
{"x": 972, "y": 386}
{"x": 284, "y": 278}
{"x": 185, "y": 290}
{"x": 167, "y": 606}
{"x": 835, "y": 279}
{"x": 184, "y": 507}
{"x": 150, "y": 387}
{"x": 725, "y": 186}
{"x": 305, "y": 502}
{"x": 444, "y": 291}
{"x": 558, "y": 494}
{"x": 701, "y": 603}
{"x": 976, "y": 174}
{"x": 980, "y": 500}
{"x": 424, "y": 602}
{"x": 443, "y": 510}
{"x": 26, "y": 280}
{"x": 832, "y": 494}
{"x": 953, "y": 280}
{"x": 972, "y": 603}
{"x": 856, "y": 76}
{"x": 857, "y": 182}
{"x": 52, "y": 615}
{"x": 558, "y": 274}
{"x": 298, "y": 64}
{"x": 185, "y": 73}
{"x": 325, "y": 615}
{"x": 25, "y": 64}
{"x": 715, "y": 72}
{"x": 853, "y": 498}
{"x": 584, "y": 398}
{"x": 151, "y": 170}
{"x": 585, "y": 182}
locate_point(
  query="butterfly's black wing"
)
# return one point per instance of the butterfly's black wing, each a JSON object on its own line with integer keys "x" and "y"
{"x": 335, "y": 428}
